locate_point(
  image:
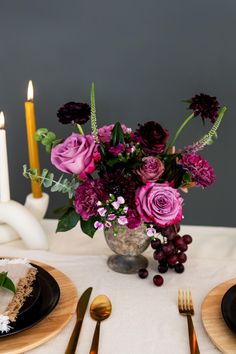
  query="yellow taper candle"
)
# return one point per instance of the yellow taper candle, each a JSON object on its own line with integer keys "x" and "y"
{"x": 32, "y": 143}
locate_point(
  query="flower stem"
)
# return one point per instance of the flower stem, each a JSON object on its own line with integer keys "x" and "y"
{"x": 187, "y": 120}
{"x": 80, "y": 129}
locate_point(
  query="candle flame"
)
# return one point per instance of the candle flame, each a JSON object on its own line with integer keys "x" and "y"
{"x": 2, "y": 120}
{"x": 30, "y": 92}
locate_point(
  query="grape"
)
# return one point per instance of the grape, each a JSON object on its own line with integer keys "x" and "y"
{"x": 158, "y": 280}
{"x": 178, "y": 240}
{"x": 183, "y": 247}
{"x": 179, "y": 268}
{"x": 168, "y": 248}
{"x": 143, "y": 273}
{"x": 163, "y": 268}
{"x": 158, "y": 255}
{"x": 172, "y": 260}
{"x": 155, "y": 243}
{"x": 182, "y": 258}
{"x": 168, "y": 232}
{"x": 187, "y": 239}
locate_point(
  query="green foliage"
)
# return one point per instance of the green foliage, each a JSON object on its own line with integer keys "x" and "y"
{"x": 6, "y": 282}
{"x": 62, "y": 185}
{"x": 87, "y": 226}
{"x": 68, "y": 220}
{"x": 117, "y": 135}
{"x": 47, "y": 138}
{"x": 93, "y": 113}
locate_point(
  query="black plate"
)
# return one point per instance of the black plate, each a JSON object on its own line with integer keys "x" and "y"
{"x": 228, "y": 308}
{"x": 32, "y": 298}
{"x": 47, "y": 300}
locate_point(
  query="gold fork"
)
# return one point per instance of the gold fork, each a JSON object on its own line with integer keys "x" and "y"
{"x": 185, "y": 305}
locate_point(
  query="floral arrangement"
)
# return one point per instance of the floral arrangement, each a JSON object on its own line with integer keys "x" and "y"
{"x": 119, "y": 176}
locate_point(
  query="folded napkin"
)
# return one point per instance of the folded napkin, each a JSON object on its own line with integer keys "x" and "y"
{"x": 22, "y": 274}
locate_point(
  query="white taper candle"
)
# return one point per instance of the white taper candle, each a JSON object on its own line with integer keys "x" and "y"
{"x": 4, "y": 172}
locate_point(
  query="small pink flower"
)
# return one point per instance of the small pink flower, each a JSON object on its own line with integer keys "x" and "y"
{"x": 151, "y": 231}
{"x": 122, "y": 220}
{"x": 98, "y": 225}
{"x": 125, "y": 209}
{"x": 108, "y": 224}
{"x": 111, "y": 217}
{"x": 99, "y": 203}
{"x": 120, "y": 200}
{"x": 102, "y": 211}
{"x": 115, "y": 205}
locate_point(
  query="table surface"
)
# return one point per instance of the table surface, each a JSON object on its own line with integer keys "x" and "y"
{"x": 144, "y": 318}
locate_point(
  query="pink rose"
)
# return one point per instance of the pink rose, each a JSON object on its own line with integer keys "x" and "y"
{"x": 159, "y": 203}
{"x": 104, "y": 133}
{"x": 76, "y": 155}
{"x": 151, "y": 170}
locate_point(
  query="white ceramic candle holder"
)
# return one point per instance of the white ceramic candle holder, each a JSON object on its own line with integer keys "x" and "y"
{"x": 24, "y": 221}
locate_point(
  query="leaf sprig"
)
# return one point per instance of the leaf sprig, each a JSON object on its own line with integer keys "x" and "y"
{"x": 62, "y": 185}
{"x": 6, "y": 282}
{"x": 47, "y": 138}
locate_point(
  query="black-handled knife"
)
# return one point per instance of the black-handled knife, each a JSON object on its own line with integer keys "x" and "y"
{"x": 81, "y": 309}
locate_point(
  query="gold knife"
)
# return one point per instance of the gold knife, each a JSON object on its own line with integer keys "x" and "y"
{"x": 81, "y": 309}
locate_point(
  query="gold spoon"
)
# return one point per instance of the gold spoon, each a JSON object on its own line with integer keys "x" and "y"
{"x": 100, "y": 309}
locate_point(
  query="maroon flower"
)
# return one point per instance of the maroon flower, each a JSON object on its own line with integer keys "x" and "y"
{"x": 205, "y": 106}
{"x": 87, "y": 195}
{"x": 151, "y": 170}
{"x": 201, "y": 171}
{"x": 116, "y": 150}
{"x": 152, "y": 137}
{"x": 73, "y": 112}
{"x": 119, "y": 184}
{"x": 134, "y": 219}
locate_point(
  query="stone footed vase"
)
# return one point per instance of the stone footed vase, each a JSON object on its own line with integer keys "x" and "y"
{"x": 128, "y": 245}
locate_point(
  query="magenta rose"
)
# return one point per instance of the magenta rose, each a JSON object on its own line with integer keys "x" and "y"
{"x": 151, "y": 170}
{"x": 159, "y": 203}
{"x": 87, "y": 196}
{"x": 104, "y": 133}
{"x": 76, "y": 155}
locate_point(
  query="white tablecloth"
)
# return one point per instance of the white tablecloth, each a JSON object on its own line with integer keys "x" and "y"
{"x": 145, "y": 319}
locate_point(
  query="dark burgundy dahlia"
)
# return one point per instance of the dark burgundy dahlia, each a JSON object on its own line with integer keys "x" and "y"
{"x": 205, "y": 106}
{"x": 75, "y": 113}
{"x": 152, "y": 137}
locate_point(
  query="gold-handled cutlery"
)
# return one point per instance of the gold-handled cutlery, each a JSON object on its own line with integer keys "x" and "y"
{"x": 185, "y": 305}
{"x": 100, "y": 309}
{"x": 80, "y": 310}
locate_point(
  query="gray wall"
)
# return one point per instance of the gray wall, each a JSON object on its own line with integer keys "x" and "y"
{"x": 144, "y": 57}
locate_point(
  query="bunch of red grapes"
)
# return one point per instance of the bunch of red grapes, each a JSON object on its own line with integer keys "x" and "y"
{"x": 169, "y": 253}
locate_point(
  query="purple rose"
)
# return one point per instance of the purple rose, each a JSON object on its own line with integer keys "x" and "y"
{"x": 151, "y": 170}
{"x": 104, "y": 133}
{"x": 152, "y": 138}
{"x": 87, "y": 196}
{"x": 159, "y": 203}
{"x": 76, "y": 155}
{"x": 201, "y": 171}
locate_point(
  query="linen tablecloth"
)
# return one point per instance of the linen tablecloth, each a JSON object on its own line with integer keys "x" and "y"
{"x": 145, "y": 318}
